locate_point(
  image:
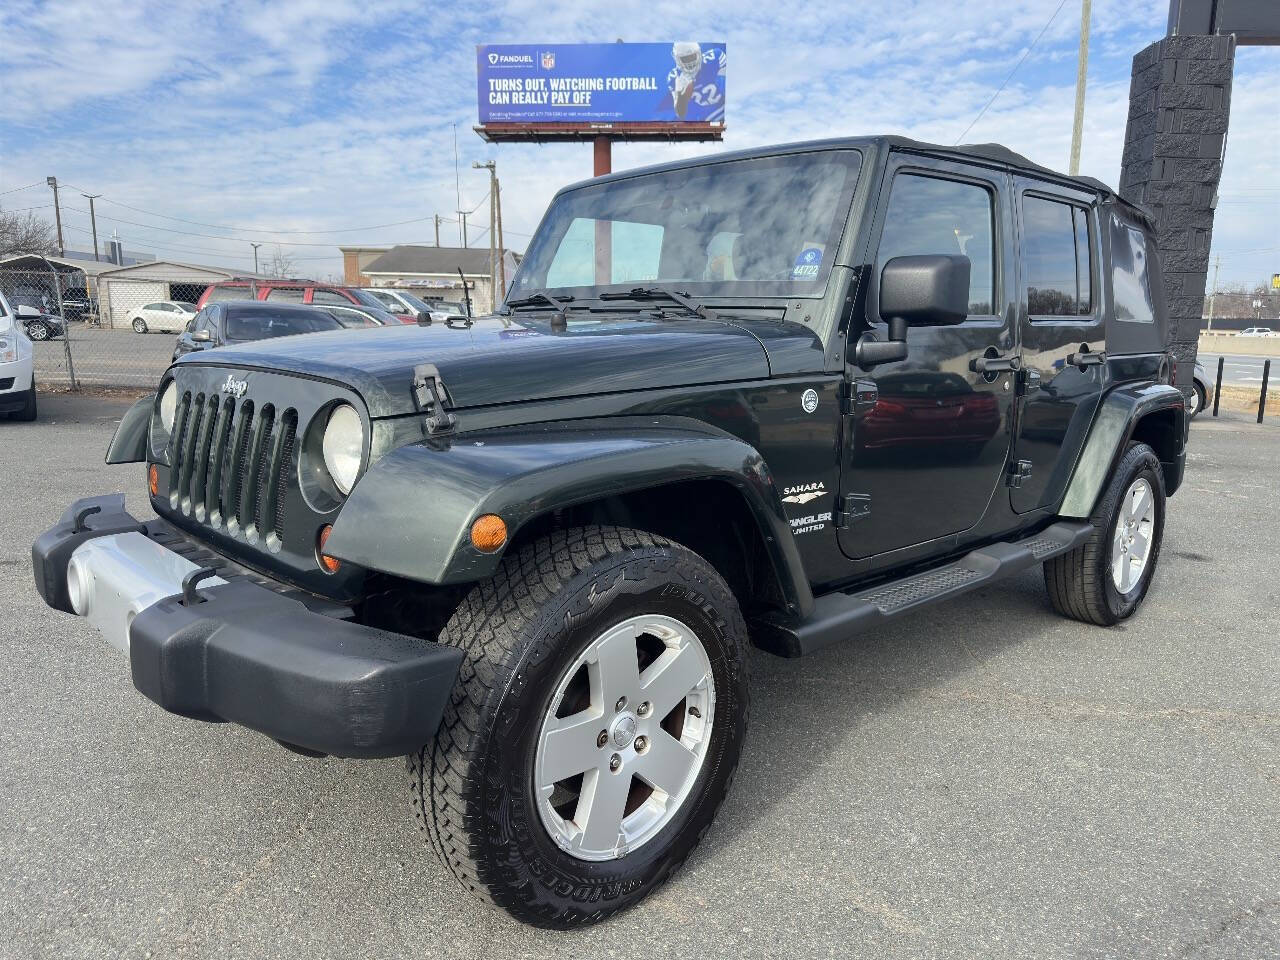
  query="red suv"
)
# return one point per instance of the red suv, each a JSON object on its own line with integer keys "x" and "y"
{"x": 298, "y": 291}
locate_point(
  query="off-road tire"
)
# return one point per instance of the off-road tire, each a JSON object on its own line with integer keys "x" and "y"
{"x": 472, "y": 786}
{"x": 1079, "y": 583}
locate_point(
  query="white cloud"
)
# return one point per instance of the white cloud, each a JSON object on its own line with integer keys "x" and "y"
{"x": 311, "y": 114}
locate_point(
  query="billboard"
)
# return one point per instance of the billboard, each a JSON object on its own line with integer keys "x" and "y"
{"x": 586, "y": 83}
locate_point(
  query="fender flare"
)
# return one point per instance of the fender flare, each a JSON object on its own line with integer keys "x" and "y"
{"x": 1113, "y": 427}
{"x": 129, "y": 443}
{"x": 410, "y": 515}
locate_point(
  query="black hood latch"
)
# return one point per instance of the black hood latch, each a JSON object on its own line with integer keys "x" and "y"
{"x": 433, "y": 398}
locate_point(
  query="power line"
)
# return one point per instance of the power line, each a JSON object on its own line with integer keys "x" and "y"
{"x": 38, "y": 183}
{"x": 1042, "y": 32}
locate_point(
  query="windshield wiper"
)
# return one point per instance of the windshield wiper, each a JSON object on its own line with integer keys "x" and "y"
{"x": 656, "y": 293}
{"x": 540, "y": 296}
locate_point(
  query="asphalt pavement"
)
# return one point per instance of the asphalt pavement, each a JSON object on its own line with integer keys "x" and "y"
{"x": 105, "y": 357}
{"x": 981, "y": 779}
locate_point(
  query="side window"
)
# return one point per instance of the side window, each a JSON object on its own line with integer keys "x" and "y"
{"x": 1130, "y": 274}
{"x": 1056, "y": 257}
{"x": 285, "y": 294}
{"x": 328, "y": 296}
{"x": 931, "y": 215}
{"x": 228, "y": 292}
{"x": 198, "y": 321}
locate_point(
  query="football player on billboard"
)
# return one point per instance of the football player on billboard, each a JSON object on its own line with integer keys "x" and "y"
{"x": 695, "y": 85}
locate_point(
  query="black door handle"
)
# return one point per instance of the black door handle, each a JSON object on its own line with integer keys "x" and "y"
{"x": 995, "y": 364}
{"x": 1086, "y": 357}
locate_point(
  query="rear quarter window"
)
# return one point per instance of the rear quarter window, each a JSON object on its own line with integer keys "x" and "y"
{"x": 1136, "y": 322}
{"x": 219, "y": 292}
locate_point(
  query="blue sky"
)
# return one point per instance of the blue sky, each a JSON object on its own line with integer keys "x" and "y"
{"x": 315, "y": 122}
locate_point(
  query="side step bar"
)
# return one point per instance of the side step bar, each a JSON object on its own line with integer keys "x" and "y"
{"x": 839, "y": 615}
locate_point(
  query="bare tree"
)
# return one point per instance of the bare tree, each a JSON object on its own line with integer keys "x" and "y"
{"x": 26, "y": 233}
{"x": 281, "y": 264}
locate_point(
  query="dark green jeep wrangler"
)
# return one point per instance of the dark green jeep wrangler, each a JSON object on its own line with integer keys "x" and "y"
{"x": 772, "y": 398}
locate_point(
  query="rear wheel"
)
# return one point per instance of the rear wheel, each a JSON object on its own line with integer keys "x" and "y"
{"x": 1197, "y": 401}
{"x": 1105, "y": 579}
{"x": 139, "y": 325}
{"x": 594, "y": 729}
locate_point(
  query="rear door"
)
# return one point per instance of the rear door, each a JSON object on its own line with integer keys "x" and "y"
{"x": 1060, "y": 317}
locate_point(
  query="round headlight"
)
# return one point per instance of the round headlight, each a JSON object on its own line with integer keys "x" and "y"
{"x": 342, "y": 446}
{"x": 168, "y": 406}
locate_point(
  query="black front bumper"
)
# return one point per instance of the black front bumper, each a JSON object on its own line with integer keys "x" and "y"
{"x": 251, "y": 655}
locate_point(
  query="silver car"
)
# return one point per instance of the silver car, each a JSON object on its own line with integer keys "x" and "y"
{"x": 1201, "y": 390}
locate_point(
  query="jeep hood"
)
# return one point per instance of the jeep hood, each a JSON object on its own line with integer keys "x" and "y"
{"x": 502, "y": 360}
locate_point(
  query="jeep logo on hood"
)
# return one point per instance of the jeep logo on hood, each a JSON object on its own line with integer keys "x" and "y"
{"x": 234, "y": 387}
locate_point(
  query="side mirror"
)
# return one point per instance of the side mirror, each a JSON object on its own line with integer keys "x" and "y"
{"x": 28, "y": 311}
{"x": 920, "y": 291}
{"x": 928, "y": 291}
{"x": 201, "y": 336}
{"x": 424, "y": 318}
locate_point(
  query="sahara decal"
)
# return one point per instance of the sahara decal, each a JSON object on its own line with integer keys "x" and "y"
{"x": 804, "y": 492}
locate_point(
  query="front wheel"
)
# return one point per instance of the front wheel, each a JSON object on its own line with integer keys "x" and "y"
{"x": 594, "y": 729}
{"x": 37, "y": 330}
{"x": 139, "y": 325}
{"x": 1105, "y": 579}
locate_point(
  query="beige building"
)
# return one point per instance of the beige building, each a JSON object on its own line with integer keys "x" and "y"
{"x": 429, "y": 272}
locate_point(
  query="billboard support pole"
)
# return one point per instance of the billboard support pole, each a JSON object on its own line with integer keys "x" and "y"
{"x": 603, "y": 156}
{"x": 604, "y": 234}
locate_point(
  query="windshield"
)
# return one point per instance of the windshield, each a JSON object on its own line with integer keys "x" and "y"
{"x": 415, "y": 302}
{"x": 763, "y": 227}
{"x": 367, "y": 298}
{"x": 261, "y": 324}
{"x": 445, "y": 306}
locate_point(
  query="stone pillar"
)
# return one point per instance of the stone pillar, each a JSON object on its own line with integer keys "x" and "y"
{"x": 1179, "y": 103}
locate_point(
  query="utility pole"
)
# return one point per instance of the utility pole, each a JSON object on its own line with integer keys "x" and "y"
{"x": 463, "y": 215}
{"x": 255, "y": 255}
{"x": 57, "y": 213}
{"x": 493, "y": 227}
{"x": 502, "y": 247}
{"x": 93, "y": 220}
{"x": 1082, "y": 74}
{"x": 437, "y": 219}
{"x": 1217, "y": 264}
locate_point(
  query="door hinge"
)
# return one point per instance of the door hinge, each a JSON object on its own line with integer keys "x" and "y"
{"x": 852, "y": 507}
{"x": 1018, "y": 473}
{"x": 1028, "y": 381}
{"x": 429, "y": 390}
{"x": 858, "y": 397}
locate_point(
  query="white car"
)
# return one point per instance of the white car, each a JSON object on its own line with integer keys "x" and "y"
{"x": 164, "y": 316}
{"x": 17, "y": 367}
{"x": 400, "y": 303}
{"x": 1257, "y": 332}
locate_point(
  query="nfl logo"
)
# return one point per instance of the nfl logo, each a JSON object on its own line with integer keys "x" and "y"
{"x": 548, "y": 60}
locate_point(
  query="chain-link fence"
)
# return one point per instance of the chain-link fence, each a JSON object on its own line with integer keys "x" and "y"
{"x": 104, "y": 331}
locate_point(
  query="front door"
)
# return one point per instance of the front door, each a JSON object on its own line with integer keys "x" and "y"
{"x": 1063, "y": 341}
{"x": 930, "y": 434}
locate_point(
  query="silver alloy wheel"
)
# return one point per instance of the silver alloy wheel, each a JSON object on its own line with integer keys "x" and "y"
{"x": 38, "y": 331}
{"x": 139, "y": 325}
{"x": 1131, "y": 540}
{"x": 613, "y": 772}
{"x": 1193, "y": 405}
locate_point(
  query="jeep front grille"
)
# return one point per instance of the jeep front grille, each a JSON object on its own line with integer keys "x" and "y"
{"x": 230, "y": 463}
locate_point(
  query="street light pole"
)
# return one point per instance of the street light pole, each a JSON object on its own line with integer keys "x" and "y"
{"x": 93, "y": 220}
{"x": 1082, "y": 74}
{"x": 255, "y": 255}
{"x": 57, "y": 213}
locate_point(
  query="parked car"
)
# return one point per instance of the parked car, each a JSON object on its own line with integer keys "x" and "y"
{"x": 237, "y": 321}
{"x": 1201, "y": 391}
{"x": 77, "y": 304}
{"x": 359, "y": 315}
{"x": 1256, "y": 332}
{"x": 401, "y": 303}
{"x": 292, "y": 291}
{"x": 17, "y": 367}
{"x": 38, "y": 322}
{"x": 533, "y": 554}
{"x": 163, "y": 316}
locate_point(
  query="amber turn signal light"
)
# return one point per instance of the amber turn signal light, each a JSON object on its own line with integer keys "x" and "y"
{"x": 153, "y": 480}
{"x": 488, "y": 533}
{"x": 327, "y": 563}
